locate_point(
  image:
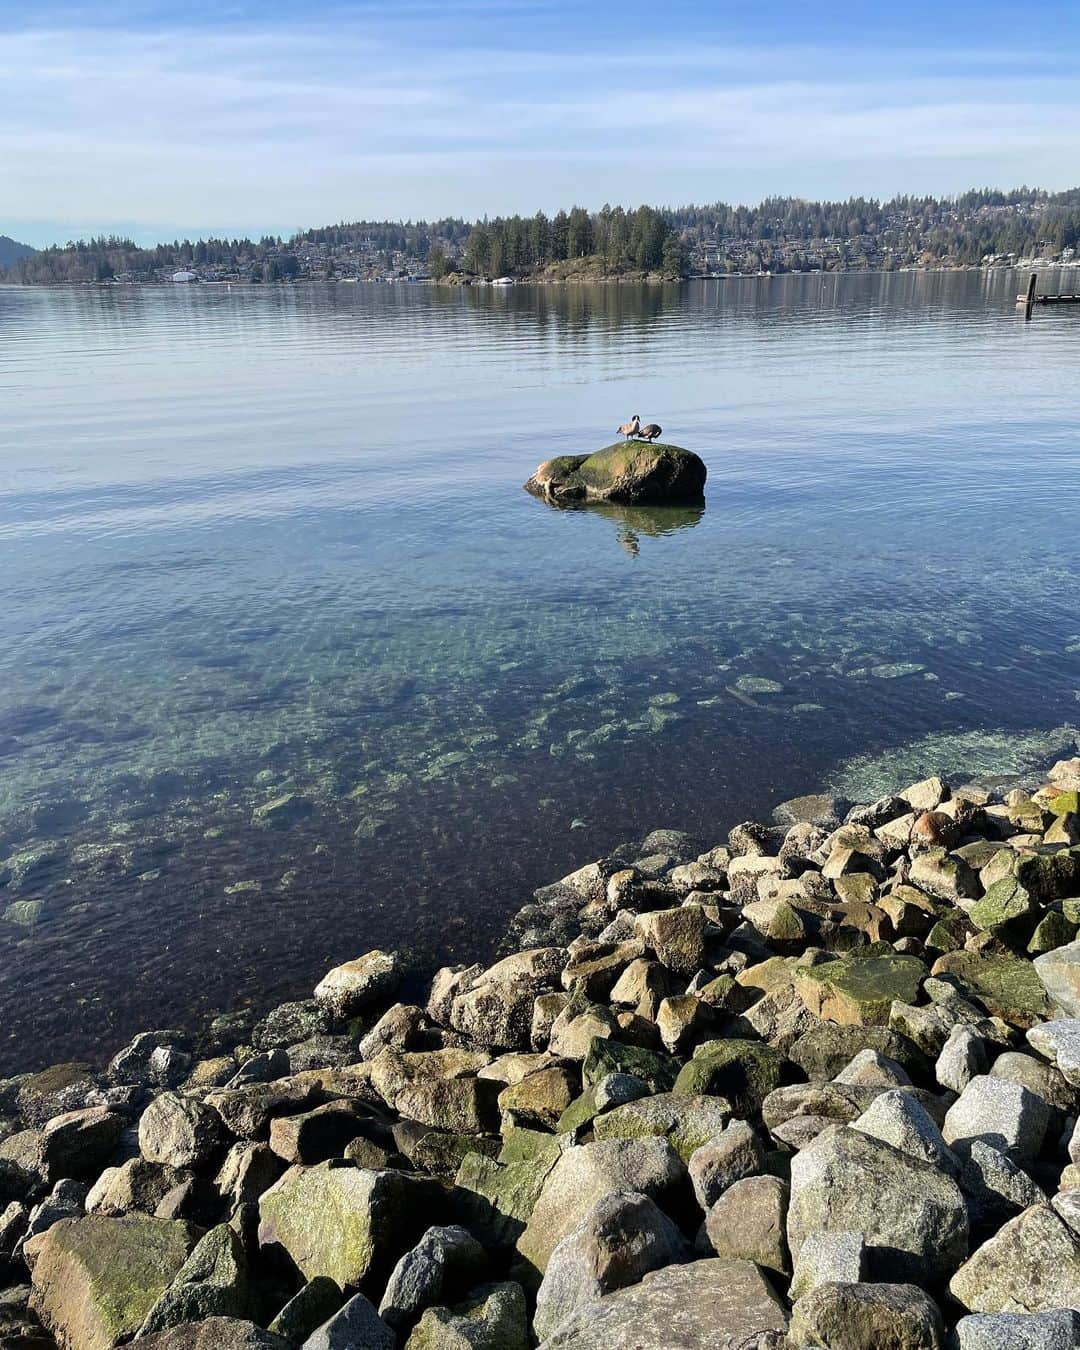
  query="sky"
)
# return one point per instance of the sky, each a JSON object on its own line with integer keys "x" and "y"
{"x": 159, "y": 119}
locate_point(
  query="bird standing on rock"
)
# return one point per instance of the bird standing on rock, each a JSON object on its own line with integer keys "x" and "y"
{"x": 650, "y": 431}
{"x": 630, "y": 428}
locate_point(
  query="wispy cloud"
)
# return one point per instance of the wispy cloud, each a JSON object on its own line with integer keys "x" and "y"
{"x": 273, "y": 125}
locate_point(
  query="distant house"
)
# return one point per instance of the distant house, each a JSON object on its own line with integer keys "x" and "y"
{"x": 183, "y": 276}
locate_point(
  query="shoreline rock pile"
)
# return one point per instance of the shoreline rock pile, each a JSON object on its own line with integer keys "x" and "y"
{"x": 815, "y": 1086}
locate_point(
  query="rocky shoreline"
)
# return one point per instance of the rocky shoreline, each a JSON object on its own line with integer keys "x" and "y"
{"x": 817, "y": 1085}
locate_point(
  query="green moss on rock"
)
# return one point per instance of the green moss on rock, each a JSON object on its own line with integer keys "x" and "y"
{"x": 744, "y": 1072}
{"x": 347, "y": 1223}
{"x": 95, "y": 1279}
{"x": 1008, "y": 986}
{"x": 628, "y": 471}
{"x": 859, "y": 989}
{"x": 607, "y": 1056}
{"x": 686, "y": 1122}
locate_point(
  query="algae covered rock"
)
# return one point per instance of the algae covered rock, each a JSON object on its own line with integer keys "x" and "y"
{"x": 826, "y": 1050}
{"x": 744, "y": 1072}
{"x": 859, "y": 989}
{"x": 704, "y": 1305}
{"x": 494, "y": 1317}
{"x": 687, "y": 1122}
{"x": 95, "y": 1279}
{"x": 857, "y": 1316}
{"x": 212, "y": 1282}
{"x": 346, "y": 1222}
{"x": 628, "y": 471}
{"x": 1008, "y": 986}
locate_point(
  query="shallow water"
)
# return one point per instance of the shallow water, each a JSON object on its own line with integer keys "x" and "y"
{"x": 263, "y": 541}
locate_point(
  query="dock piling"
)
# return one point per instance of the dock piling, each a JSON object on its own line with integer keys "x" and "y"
{"x": 1033, "y": 281}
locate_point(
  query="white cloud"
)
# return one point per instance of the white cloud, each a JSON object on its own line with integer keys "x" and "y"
{"x": 277, "y": 127}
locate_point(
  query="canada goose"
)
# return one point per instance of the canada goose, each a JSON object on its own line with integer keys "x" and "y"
{"x": 650, "y": 432}
{"x": 630, "y": 428}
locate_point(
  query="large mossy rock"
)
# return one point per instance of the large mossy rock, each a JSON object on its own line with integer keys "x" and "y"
{"x": 705, "y": 1305}
{"x": 1006, "y": 985}
{"x": 347, "y": 1223}
{"x": 687, "y": 1122}
{"x": 743, "y": 1072}
{"x": 858, "y": 990}
{"x": 628, "y": 471}
{"x": 213, "y": 1282}
{"x": 95, "y": 1279}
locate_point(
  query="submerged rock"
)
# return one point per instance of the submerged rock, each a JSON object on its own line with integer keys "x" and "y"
{"x": 630, "y": 471}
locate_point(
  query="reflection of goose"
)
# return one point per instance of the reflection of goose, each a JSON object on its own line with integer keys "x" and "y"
{"x": 630, "y": 428}
{"x": 650, "y": 431}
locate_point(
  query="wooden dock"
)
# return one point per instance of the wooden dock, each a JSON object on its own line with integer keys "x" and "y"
{"x": 1029, "y": 299}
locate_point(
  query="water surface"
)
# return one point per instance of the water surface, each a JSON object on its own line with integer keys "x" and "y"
{"x": 259, "y": 542}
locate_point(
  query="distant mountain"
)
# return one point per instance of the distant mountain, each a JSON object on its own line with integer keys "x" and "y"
{"x": 11, "y": 250}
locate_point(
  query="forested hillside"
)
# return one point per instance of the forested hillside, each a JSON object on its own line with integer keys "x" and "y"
{"x": 781, "y": 234}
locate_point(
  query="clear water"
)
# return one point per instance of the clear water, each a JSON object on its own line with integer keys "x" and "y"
{"x": 254, "y": 542}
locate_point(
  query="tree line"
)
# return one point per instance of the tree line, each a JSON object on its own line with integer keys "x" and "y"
{"x": 618, "y": 239}
{"x": 778, "y": 231}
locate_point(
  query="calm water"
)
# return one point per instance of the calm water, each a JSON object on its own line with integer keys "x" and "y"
{"x": 269, "y": 541}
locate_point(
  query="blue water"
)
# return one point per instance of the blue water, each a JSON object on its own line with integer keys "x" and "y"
{"x": 255, "y": 542}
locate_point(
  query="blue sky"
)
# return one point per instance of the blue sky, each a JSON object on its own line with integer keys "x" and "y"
{"x": 156, "y": 119}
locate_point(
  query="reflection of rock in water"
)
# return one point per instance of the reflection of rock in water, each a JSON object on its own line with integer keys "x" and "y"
{"x": 632, "y": 522}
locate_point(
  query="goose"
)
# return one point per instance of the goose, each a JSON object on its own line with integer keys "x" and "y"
{"x": 650, "y": 431}
{"x": 630, "y": 428}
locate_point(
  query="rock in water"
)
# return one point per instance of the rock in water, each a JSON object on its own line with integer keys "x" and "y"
{"x": 628, "y": 471}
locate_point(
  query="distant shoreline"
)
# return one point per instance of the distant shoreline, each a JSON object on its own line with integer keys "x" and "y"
{"x": 649, "y": 279}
